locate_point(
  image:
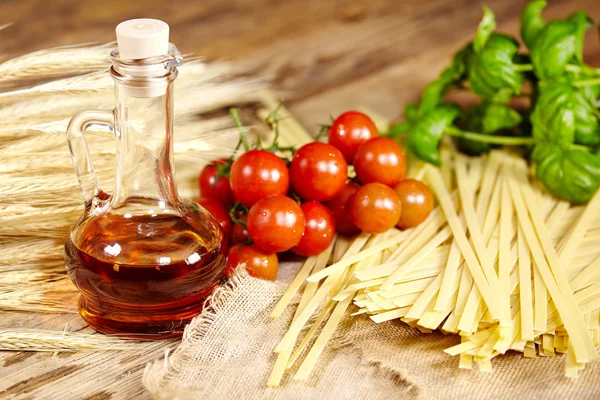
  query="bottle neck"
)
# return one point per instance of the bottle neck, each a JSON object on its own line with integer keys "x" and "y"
{"x": 144, "y": 131}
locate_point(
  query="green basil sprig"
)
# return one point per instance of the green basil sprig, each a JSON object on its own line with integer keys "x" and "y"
{"x": 491, "y": 63}
{"x": 555, "y": 44}
{"x": 563, "y": 124}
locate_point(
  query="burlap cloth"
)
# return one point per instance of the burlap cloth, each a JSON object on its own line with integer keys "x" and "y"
{"x": 226, "y": 353}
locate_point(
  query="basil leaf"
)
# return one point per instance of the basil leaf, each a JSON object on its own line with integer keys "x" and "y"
{"x": 459, "y": 62}
{"x": 591, "y": 93}
{"x": 532, "y": 22}
{"x": 485, "y": 29}
{"x": 582, "y": 23}
{"x": 571, "y": 174}
{"x": 411, "y": 113}
{"x": 492, "y": 68}
{"x": 557, "y": 44}
{"x": 487, "y": 118}
{"x": 498, "y": 117}
{"x": 426, "y": 134}
{"x": 556, "y": 127}
{"x": 556, "y": 100}
{"x": 502, "y": 96}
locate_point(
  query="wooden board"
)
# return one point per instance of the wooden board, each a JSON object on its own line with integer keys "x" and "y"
{"x": 325, "y": 56}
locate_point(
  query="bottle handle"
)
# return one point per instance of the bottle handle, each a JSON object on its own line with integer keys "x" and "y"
{"x": 84, "y": 168}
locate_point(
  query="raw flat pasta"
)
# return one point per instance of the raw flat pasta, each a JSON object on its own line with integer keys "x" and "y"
{"x": 499, "y": 263}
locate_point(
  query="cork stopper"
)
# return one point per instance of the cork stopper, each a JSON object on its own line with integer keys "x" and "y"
{"x": 142, "y": 38}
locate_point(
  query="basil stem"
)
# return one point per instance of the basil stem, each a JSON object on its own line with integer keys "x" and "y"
{"x": 523, "y": 67}
{"x": 491, "y": 139}
{"x": 587, "y": 82}
{"x": 582, "y": 68}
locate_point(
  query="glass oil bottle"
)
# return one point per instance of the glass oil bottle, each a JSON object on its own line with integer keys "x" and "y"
{"x": 143, "y": 258}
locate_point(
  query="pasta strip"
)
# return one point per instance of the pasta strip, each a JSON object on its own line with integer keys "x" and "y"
{"x": 309, "y": 335}
{"x": 558, "y": 274}
{"x": 586, "y": 275}
{"x": 311, "y": 287}
{"x": 569, "y": 318}
{"x": 405, "y": 288}
{"x": 448, "y": 277}
{"x": 526, "y": 298}
{"x": 347, "y": 261}
{"x": 466, "y": 282}
{"x": 294, "y": 286}
{"x": 425, "y": 300}
{"x": 468, "y": 254}
{"x": 389, "y": 315}
{"x": 311, "y": 358}
{"x": 290, "y": 337}
{"x": 408, "y": 265}
{"x": 506, "y": 234}
{"x": 578, "y": 231}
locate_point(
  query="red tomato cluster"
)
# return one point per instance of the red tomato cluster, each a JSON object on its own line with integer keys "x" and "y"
{"x": 387, "y": 198}
{"x": 300, "y": 208}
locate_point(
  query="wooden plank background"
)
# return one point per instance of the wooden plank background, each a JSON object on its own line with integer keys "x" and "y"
{"x": 325, "y": 56}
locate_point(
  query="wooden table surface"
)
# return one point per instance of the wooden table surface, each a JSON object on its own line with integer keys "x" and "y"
{"x": 326, "y": 57}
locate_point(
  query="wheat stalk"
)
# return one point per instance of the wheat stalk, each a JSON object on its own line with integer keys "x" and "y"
{"x": 94, "y": 82}
{"x": 47, "y": 109}
{"x": 50, "y": 63}
{"x": 35, "y": 300}
{"x": 39, "y": 195}
{"x": 52, "y": 341}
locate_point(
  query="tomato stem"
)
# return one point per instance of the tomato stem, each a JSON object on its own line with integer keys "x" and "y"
{"x": 323, "y": 129}
{"x": 273, "y": 122}
{"x": 491, "y": 139}
{"x": 234, "y": 112}
{"x": 291, "y": 149}
{"x": 237, "y": 207}
{"x": 295, "y": 197}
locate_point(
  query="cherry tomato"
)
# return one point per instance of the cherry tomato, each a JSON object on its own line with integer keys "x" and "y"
{"x": 213, "y": 186}
{"x": 349, "y": 131}
{"x": 259, "y": 263}
{"x": 319, "y": 230}
{"x": 417, "y": 202}
{"x": 318, "y": 172}
{"x": 218, "y": 210}
{"x": 375, "y": 208}
{"x": 257, "y": 174}
{"x": 276, "y": 223}
{"x": 339, "y": 208}
{"x": 239, "y": 233}
{"x": 380, "y": 160}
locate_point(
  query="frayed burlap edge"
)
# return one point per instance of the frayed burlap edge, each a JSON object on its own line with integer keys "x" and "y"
{"x": 157, "y": 376}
